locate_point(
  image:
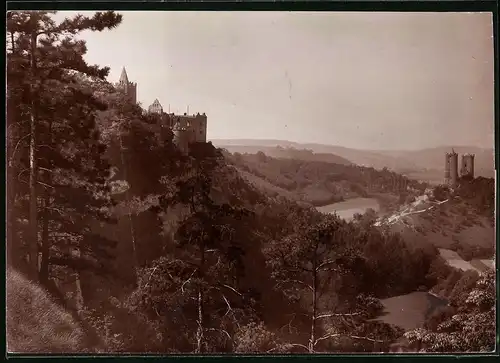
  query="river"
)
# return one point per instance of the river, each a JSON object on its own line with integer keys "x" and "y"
{"x": 348, "y": 208}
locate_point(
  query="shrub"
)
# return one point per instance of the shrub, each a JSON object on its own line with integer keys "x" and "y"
{"x": 441, "y": 192}
{"x": 124, "y": 330}
{"x": 255, "y": 338}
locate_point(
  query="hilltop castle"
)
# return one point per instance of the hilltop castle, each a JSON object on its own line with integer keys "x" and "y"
{"x": 187, "y": 129}
{"x": 451, "y": 167}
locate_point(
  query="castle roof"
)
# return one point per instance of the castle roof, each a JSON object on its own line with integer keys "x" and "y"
{"x": 123, "y": 77}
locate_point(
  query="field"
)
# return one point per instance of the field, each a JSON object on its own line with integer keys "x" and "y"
{"x": 348, "y": 208}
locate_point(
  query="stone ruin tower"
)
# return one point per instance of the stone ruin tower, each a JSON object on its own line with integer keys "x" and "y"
{"x": 451, "y": 168}
{"x": 129, "y": 88}
{"x": 467, "y": 168}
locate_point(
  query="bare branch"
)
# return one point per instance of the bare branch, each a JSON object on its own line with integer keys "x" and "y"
{"x": 231, "y": 288}
{"x": 289, "y": 325}
{"x": 21, "y": 172}
{"x": 185, "y": 282}
{"x": 229, "y": 308}
{"x": 336, "y": 314}
{"x": 326, "y": 263}
{"x": 47, "y": 146}
{"x": 327, "y": 336}
{"x": 15, "y": 149}
{"x": 46, "y": 185}
{"x": 151, "y": 275}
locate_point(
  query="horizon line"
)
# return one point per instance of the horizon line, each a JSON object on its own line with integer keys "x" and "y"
{"x": 347, "y": 147}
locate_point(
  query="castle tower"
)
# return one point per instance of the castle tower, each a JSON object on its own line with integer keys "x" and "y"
{"x": 189, "y": 129}
{"x": 129, "y": 88}
{"x": 155, "y": 107}
{"x": 467, "y": 168}
{"x": 451, "y": 168}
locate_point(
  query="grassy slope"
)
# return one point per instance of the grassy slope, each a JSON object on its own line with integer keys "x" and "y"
{"x": 35, "y": 323}
{"x": 447, "y": 225}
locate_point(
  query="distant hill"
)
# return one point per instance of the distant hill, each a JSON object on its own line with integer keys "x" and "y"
{"x": 288, "y": 152}
{"x": 425, "y": 165}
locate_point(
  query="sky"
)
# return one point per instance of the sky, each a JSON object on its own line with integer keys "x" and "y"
{"x": 360, "y": 80}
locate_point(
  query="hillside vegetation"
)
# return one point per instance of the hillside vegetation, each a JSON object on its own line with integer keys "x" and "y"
{"x": 461, "y": 220}
{"x": 320, "y": 183}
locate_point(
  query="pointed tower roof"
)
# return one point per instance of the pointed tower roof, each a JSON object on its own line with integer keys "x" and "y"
{"x": 123, "y": 77}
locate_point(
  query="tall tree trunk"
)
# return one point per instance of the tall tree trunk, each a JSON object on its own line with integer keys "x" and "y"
{"x": 200, "y": 329}
{"x": 33, "y": 216}
{"x": 47, "y": 202}
{"x": 78, "y": 287}
{"x": 201, "y": 326}
{"x": 44, "y": 263}
{"x": 12, "y": 251}
{"x": 312, "y": 339}
{"x": 129, "y": 208}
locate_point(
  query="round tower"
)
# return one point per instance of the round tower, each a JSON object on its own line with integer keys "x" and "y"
{"x": 467, "y": 165}
{"x": 451, "y": 168}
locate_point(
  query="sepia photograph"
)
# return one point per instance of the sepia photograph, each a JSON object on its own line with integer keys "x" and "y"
{"x": 250, "y": 182}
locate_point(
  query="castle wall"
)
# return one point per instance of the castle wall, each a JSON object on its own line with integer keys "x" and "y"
{"x": 188, "y": 129}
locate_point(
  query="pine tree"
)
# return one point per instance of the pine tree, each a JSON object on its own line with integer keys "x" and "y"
{"x": 53, "y": 123}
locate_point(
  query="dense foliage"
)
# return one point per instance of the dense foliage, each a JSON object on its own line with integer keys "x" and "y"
{"x": 467, "y": 324}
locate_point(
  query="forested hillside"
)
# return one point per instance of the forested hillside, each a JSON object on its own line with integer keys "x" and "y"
{"x": 319, "y": 182}
{"x": 115, "y": 233}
